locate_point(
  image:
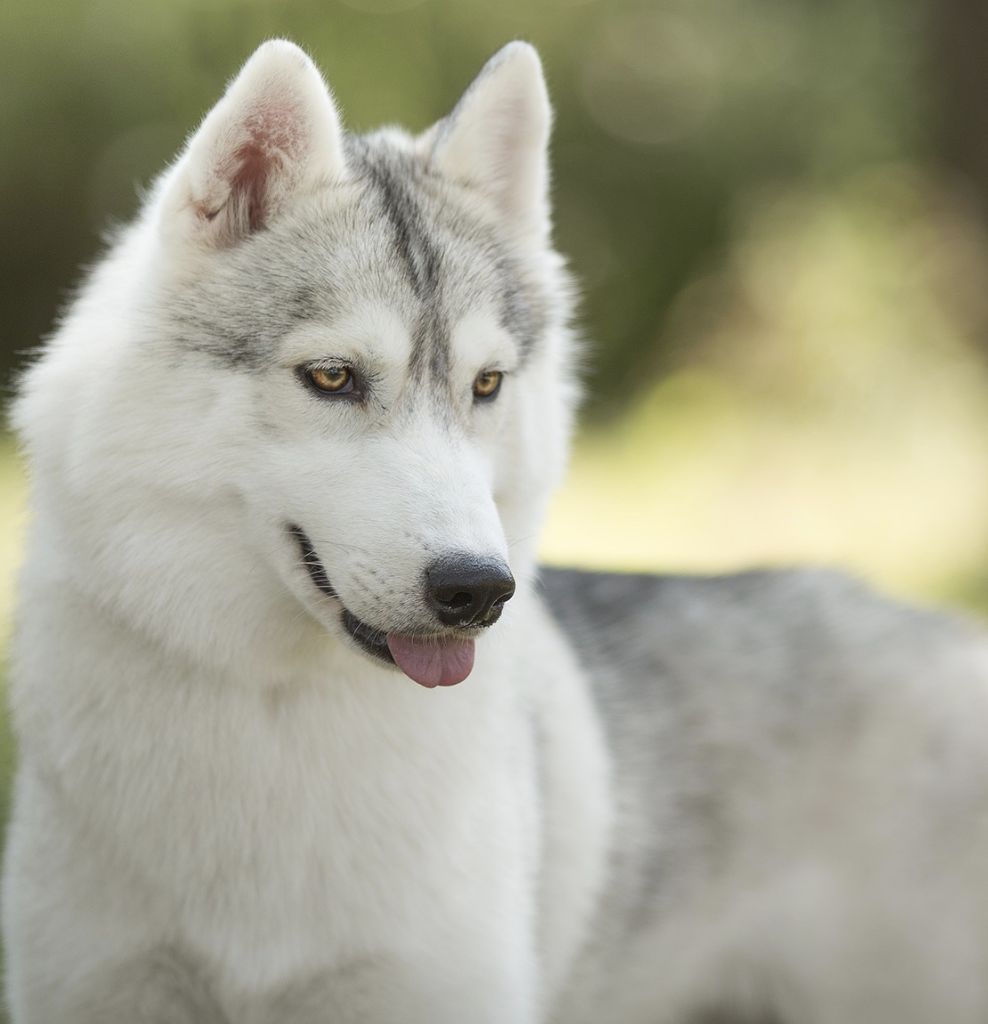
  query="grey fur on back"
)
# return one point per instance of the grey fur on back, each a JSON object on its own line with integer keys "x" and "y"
{"x": 713, "y": 691}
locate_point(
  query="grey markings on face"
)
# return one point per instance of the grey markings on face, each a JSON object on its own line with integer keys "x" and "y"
{"x": 439, "y": 248}
{"x": 421, "y": 255}
{"x": 521, "y": 315}
{"x": 404, "y": 237}
{"x": 418, "y": 253}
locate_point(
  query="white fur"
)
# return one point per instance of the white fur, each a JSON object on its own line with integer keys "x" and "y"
{"x": 207, "y": 766}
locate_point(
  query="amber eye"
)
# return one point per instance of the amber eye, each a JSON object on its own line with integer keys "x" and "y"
{"x": 487, "y": 383}
{"x": 333, "y": 380}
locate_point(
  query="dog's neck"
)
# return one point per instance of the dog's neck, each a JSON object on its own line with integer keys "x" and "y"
{"x": 182, "y": 579}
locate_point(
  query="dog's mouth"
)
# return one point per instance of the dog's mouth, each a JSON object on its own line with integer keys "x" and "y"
{"x": 433, "y": 660}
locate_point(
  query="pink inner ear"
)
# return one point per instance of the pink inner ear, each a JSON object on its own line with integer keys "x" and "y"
{"x": 249, "y": 180}
{"x": 275, "y": 139}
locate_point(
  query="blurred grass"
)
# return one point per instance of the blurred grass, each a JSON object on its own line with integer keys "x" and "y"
{"x": 827, "y": 403}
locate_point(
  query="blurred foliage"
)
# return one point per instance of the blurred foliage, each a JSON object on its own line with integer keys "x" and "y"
{"x": 828, "y": 402}
{"x": 666, "y": 112}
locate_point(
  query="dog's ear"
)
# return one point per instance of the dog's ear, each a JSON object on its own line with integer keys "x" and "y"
{"x": 497, "y": 138}
{"x": 274, "y": 134}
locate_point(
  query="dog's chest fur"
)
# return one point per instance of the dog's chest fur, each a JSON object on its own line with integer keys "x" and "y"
{"x": 277, "y": 829}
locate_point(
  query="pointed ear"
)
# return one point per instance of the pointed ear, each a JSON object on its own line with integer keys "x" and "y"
{"x": 497, "y": 138}
{"x": 273, "y": 135}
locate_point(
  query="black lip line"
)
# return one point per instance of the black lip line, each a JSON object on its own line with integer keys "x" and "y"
{"x": 372, "y": 641}
{"x": 313, "y": 566}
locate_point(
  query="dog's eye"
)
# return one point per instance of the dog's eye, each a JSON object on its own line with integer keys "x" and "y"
{"x": 333, "y": 380}
{"x": 487, "y": 384}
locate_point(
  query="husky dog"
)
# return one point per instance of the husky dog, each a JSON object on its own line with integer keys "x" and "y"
{"x": 289, "y": 453}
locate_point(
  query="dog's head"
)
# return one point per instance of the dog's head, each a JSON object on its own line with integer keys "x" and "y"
{"x": 358, "y": 348}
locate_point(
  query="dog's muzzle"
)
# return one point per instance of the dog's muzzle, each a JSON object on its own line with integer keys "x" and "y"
{"x": 464, "y": 592}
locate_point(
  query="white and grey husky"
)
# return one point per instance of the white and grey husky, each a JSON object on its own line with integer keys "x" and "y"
{"x": 289, "y": 453}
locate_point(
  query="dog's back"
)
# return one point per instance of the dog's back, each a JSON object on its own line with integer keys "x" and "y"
{"x": 801, "y": 781}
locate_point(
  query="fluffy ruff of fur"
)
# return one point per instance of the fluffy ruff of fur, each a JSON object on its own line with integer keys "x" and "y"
{"x": 653, "y": 800}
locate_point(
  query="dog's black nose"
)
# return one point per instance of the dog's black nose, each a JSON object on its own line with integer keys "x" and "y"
{"x": 467, "y": 591}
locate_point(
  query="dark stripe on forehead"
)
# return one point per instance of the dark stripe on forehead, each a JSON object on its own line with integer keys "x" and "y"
{"x": 430, "y": 345}
{"x": 419, "y": 255}
{"x": 391, "y": 176}
{"x": 409, "y": 198}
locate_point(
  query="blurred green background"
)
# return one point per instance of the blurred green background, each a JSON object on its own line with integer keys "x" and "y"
{"x": 776, "y": 208}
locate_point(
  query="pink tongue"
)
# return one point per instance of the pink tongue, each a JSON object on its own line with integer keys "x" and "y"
{"x": 432, "y": 662}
